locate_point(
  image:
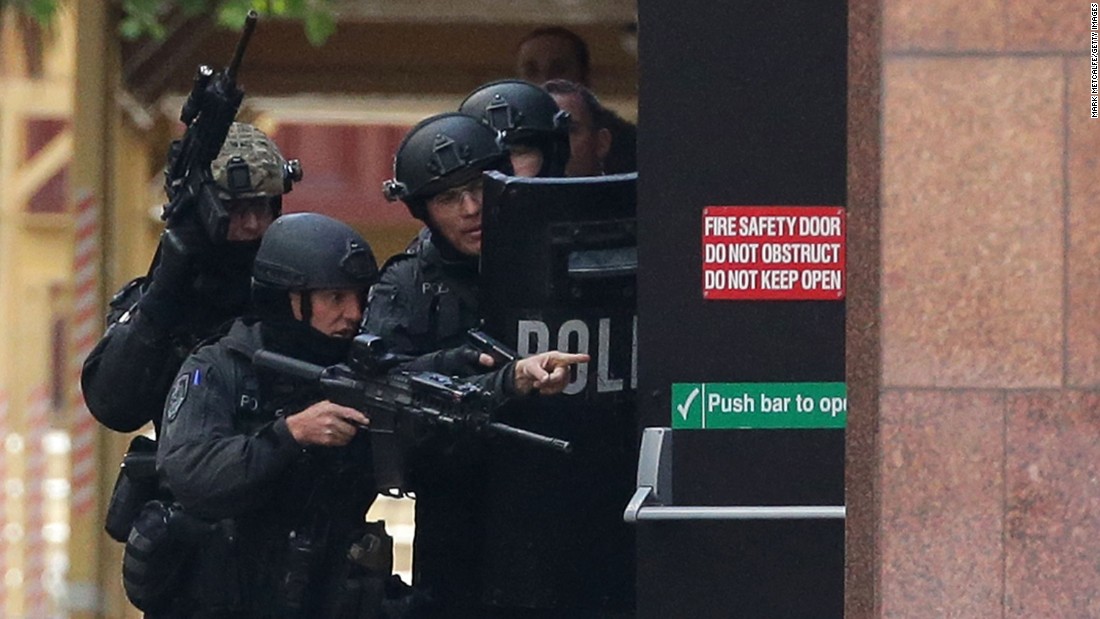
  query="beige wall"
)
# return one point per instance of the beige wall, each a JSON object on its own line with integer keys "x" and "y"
{"x": 988, "y": 477}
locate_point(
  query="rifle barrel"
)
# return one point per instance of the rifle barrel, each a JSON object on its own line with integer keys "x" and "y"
{"x": 238, "y": 54}
{"x": 287, "y": 365}
{"x": 531, "y": 437}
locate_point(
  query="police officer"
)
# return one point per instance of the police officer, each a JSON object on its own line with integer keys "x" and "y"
{"x": 427, "y": 298}
{"x": 534, "y": 129}
{"x": 530, "y": 125}
{"x": 291, "y": 469}
{"x": 425, "y": 302}
{"x": 197, "y": 285}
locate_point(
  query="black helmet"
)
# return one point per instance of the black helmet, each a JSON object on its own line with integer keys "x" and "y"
{"x": 310, "y": 251}
{"x": 524, "y": 114}
{"x": 441, "y": 152}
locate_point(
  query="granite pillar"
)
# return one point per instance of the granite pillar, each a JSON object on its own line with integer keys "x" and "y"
{"x": 974, "y": 287}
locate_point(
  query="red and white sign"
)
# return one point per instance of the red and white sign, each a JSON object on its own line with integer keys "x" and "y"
{"x": 773, "y": 253}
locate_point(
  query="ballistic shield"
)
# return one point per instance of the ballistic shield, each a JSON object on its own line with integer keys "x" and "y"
{"x": 558, "y": 270}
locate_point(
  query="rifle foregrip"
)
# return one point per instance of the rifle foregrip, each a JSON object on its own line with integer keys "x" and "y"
{"x": 212, "y": 213}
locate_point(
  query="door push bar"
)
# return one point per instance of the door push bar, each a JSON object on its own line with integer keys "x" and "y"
{"x": 653, "y": 498}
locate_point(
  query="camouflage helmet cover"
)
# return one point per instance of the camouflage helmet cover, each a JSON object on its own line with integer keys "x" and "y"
{"x": 246, "y": 148}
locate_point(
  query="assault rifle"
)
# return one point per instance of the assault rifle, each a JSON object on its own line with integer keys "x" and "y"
{"x": 399, "y": 402}
{"x": 210, "y": 109}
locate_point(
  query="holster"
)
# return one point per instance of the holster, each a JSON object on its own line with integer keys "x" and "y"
{"x": 135, "y": 486}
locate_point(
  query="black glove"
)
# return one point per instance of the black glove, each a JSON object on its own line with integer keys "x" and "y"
{"x": 173, "y": 280}
{"x": 461, "y": 362}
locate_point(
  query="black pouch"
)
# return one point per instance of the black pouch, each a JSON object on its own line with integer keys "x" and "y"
{"x": 160, "y": 553}
{"x": 135, "y": 486}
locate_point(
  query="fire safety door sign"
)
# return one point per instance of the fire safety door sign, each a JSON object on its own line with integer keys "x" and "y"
{"x": 774, "y": 253}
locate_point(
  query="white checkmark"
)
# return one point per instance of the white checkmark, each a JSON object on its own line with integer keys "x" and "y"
{"x": 683, "y": 408}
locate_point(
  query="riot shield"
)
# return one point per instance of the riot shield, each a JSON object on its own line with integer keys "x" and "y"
{"x": 558, "y": 269}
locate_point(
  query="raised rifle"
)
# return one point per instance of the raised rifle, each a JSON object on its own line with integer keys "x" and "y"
{"x": 208, "y": 113}
{"x": 400, "y": 402}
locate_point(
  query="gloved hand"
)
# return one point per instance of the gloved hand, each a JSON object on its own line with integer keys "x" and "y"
{"x": 173, "y": 279}
{"x": 462, "y": 361}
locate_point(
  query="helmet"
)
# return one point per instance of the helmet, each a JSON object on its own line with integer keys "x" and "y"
{"x": 250, "y": 165}
{"x": 525, "y": 114}
{"x": 441, "y": 152}
{"x": 310, "y": 251}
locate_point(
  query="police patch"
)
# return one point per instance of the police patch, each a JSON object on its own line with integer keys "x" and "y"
{"x": 177, "y": 396}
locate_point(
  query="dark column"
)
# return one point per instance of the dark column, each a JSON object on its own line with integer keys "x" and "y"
{"x": 741, "y": 104}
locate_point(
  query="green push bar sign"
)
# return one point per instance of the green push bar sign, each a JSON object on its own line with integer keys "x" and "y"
{"x": 759, "y": 406}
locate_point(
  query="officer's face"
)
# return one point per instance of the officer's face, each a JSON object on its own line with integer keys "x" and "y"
{"x": 335, "y": 312}
{"x": 249, "y": 218}
{"x": 526, "y": 160}
{"x": 588, "y": 145}
{"x": 548, "y": 57}
{"x": 456, "y": 214}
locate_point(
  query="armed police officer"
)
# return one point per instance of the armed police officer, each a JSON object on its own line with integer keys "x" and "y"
{"x": 286, "y": 474}
{"x": 289, "y": 469}
{"x": 197, "y": 284}
{"x": 425, "y": 303}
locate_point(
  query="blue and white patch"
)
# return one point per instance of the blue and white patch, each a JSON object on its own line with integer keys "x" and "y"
{"x": 177, "y": 395}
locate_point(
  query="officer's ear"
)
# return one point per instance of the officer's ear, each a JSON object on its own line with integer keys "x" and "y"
{"x": 296, "y": 304}
{"x": 603, "y": 143}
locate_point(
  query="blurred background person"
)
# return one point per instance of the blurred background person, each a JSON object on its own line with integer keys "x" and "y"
{"x": 554, "y": 52}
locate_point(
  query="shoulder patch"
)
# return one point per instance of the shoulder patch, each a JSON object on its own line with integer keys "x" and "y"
{"x": 177, "y": 395}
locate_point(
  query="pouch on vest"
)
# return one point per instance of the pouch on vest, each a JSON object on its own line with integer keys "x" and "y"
{"x": 135, "y": 485}
{"x": 159, "y": 554}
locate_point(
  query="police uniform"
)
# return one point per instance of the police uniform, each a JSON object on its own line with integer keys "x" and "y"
{"x": 129, "y": 372}
{"x": 425, "y": 301}
{"x": 492, "y": 542}
{"x": 227, "y": 453}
